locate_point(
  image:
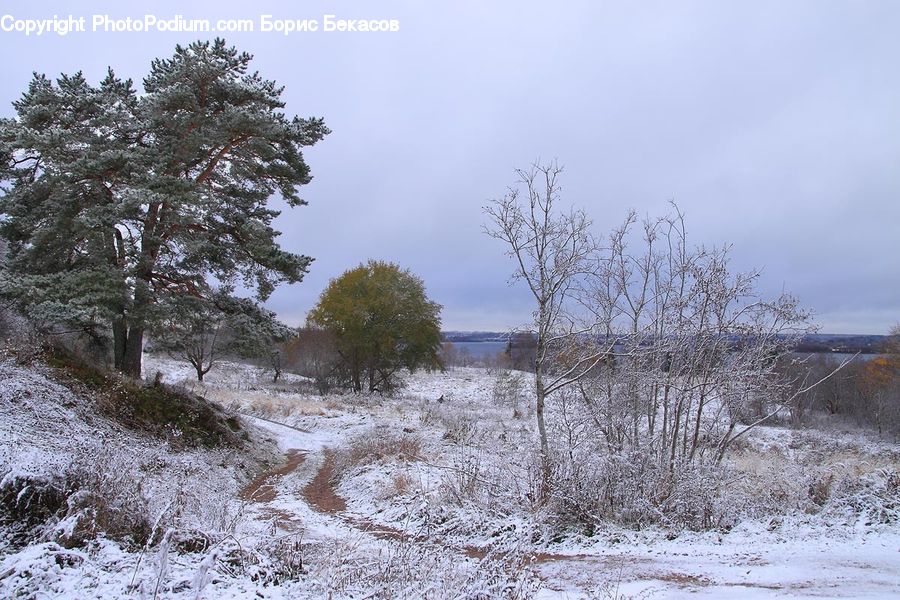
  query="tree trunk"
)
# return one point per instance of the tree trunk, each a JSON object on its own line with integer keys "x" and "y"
{"x": 542, "y": 432}
{"x": 357, "y": 380}
{"x": 134, "y": 345}
{"x": 119, "y": 325}
{"x": 695, "y": 440}
{"x": 134, "y": 348}
{"x": 120, "y": 339}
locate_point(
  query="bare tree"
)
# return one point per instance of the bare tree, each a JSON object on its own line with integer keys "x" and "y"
{"x": 697, "y": 348}
{"x": 313, "y": 353}
{"x": 202, "y": 331}
{"x": 664, "y": 357}
{"x": 553, "y": 251}
{"x": 196, "y": 332}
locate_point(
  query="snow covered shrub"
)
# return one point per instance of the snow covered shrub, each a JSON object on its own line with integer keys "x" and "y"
{"x": 40, "y": 573}
{"x": 632, "y": 489}
{"x": 428, "y": 413}
{"x": 873, "y": 498}
{"x": 105, "y": 496}
{"x": 690, "y": 496}
{"x": 460, "y": 428}
{"x": 820, "y": 489}
{"x": 29, "y": 499}
{"x": 374, "y": 445}
{"x": 508, "y": 388}
{"x": 114, "y": 492}
{"x": 478, "y": 494}
{"x": 89, "y": 499}
{"x": 465, "y": 479}
{"x": 346, "y": 568}
{"x": 273, "y": 562}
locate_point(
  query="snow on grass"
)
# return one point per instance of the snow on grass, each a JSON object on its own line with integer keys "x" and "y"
{"x": 468, "y": 434}
{"x": 224, "y": 374}
{"x": 455, "y": 490}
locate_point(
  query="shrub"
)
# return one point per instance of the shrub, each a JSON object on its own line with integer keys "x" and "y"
{"x": 89, "y": 499}
{"x": 404, "y": 569}
{"x": 30, "y": 499}
{"x": 375, "y": 445}
{"x": 508, "y": 388}
{"x": 873, "y": 498}
{"x": 460, "y": 428}
{"x": 107, "y": 501}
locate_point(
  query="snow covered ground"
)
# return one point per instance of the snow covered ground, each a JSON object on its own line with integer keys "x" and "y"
{"x": 363, "y": 506}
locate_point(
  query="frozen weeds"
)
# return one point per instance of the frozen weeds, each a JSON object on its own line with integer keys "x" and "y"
{"x": 385, "y": 541}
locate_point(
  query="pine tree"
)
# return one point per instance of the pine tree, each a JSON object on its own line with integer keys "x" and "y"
{"x": 117, "y": 204}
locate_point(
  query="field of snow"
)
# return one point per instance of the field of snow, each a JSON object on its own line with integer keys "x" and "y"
{"x": 407, "y": 497}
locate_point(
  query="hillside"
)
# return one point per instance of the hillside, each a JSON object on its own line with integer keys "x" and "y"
{"x": 389, "y": 498}
{"x": 87, "y": 483}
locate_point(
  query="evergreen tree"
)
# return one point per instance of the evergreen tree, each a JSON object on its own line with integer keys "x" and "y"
{"x": 117, "y": 204}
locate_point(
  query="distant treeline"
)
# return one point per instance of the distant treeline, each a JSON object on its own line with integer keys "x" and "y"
{"x": 813, "y": 343}
{"x": 850, "y": 344}
{"x": 474, "y": 336}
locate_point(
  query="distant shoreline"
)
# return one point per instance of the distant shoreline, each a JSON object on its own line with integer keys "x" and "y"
{"x": 817, "y": 343}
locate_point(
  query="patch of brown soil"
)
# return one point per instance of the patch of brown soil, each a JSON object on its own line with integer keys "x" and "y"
{"x": 282, "y": 521}
{"x": 763, "y": 586}
{"x": 683, "y": 579}
{"x": 320, "y": 493}
{"x": 544, "y": 557}
{"x": 262, "y": 488}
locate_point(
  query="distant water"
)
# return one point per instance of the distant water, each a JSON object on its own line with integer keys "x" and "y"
{"x": 841, "y": 356}
{"x": 479, "y": 350}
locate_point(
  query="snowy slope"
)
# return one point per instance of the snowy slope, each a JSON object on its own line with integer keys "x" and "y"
{"x": 362, "y": 505}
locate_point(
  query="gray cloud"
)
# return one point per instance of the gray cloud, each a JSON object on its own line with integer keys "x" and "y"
{"x": 774, "y": 125}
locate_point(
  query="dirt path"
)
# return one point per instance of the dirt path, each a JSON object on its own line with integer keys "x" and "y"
{"x": 263, "y": 488}
{"x": 703, "y": 569}
{"x": 320, "y": 493}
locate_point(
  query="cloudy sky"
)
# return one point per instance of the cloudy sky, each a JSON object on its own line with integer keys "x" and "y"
{"x": 774, "y": 125}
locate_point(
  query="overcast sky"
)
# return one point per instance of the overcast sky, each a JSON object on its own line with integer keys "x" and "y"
{"x": 774, "y": 125}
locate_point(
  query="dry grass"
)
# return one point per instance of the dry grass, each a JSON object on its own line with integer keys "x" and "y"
{"x": 402, "y": 483}
{"x": 809, "y": 472}
{"x": 399, "y": 484}
{"x": 841, "y": 462}
{"x": 273, "y": 405}
{"x": 376, "y": 445}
